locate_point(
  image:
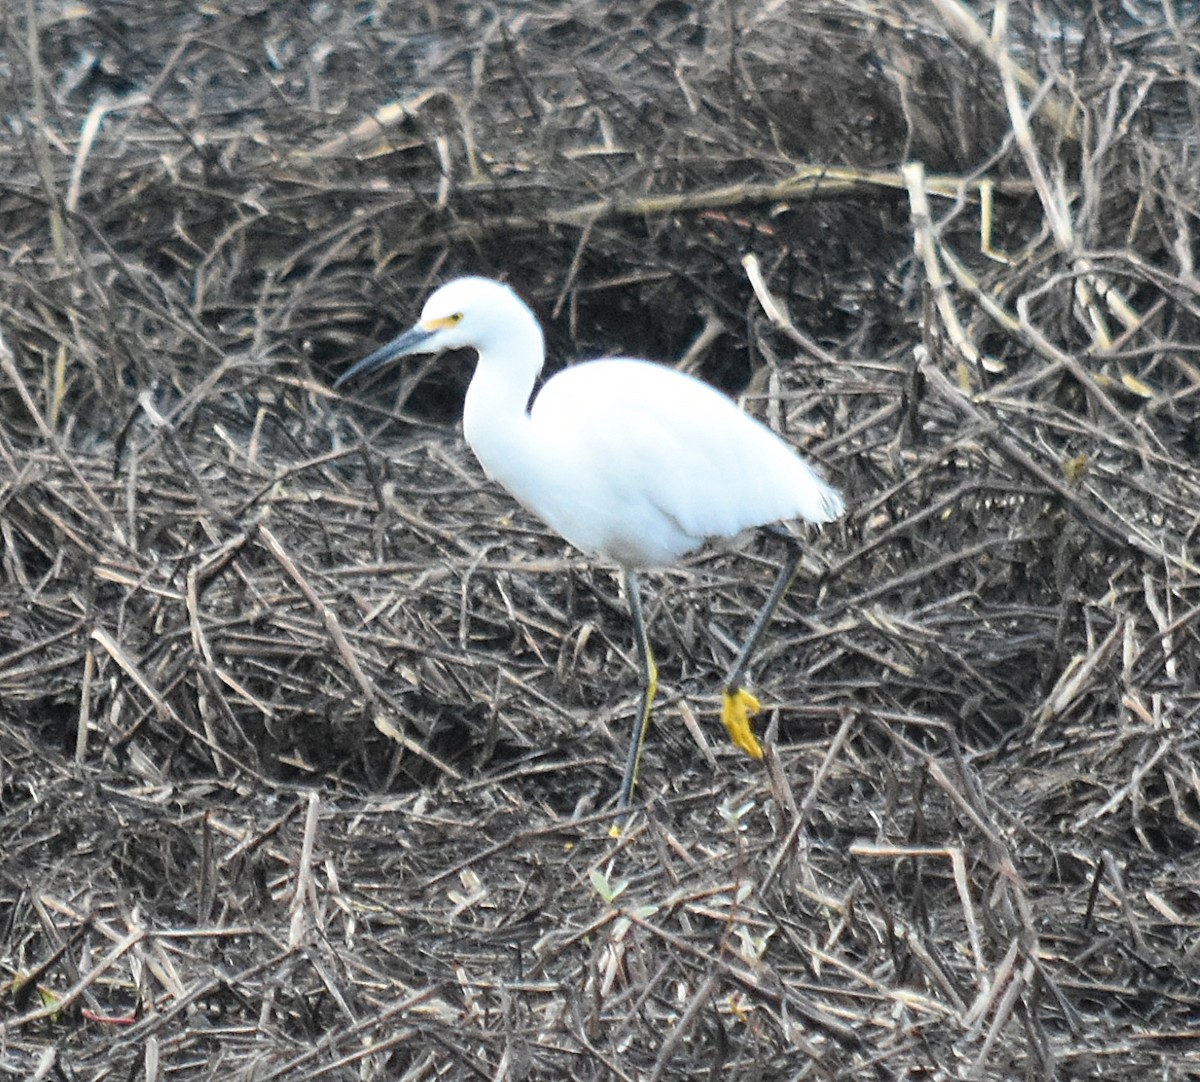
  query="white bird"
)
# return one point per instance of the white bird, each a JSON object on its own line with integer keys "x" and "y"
{"x": 628, "y": 460}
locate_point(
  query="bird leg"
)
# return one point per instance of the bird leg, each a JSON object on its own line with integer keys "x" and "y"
{"x": 641, "y": 720}
{"x": 738, "y": 706}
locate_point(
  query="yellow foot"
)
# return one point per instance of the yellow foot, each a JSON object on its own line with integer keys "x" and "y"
{"x": 737, "y": 708}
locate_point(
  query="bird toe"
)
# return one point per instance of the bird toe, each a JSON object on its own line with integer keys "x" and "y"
{"x": 737, "y": 708}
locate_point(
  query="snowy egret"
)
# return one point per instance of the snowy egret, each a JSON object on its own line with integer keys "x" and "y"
{"x": 626, "y": 459}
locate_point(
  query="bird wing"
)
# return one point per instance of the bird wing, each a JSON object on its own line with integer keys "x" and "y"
{"x": 670, "y": 456}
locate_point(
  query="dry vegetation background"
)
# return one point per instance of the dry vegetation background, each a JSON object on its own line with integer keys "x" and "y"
{"x": 307, "y": 735}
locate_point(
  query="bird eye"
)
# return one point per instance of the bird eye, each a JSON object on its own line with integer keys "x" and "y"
{"x": 456, "y": 318}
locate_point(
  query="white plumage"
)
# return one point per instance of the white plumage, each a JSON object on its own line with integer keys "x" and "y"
{"x": 628, "y": 460}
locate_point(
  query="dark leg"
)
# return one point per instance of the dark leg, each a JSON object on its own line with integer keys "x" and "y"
{"x": 649, "y": 676}
{"x": 738, "y": 705}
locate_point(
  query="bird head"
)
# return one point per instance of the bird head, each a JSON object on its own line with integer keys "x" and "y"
{"x": 466, "y": 313}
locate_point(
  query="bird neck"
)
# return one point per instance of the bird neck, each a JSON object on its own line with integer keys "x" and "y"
{"x": 496, "y": 411}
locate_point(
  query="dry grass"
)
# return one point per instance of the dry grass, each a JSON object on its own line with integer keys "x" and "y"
{"x": 307, "y": 736}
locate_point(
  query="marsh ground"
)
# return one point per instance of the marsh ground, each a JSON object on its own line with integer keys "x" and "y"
{"x": 307, "y": 734}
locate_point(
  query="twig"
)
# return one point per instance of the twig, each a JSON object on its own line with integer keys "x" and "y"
{"x": 10, "y": 370}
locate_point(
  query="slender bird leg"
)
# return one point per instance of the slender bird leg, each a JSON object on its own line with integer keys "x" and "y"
{"x": 738, "y": 706}
{"x": 641, "y": 720}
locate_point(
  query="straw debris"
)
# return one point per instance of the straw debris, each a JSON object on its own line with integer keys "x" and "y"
{"x": 307, "y": 732}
